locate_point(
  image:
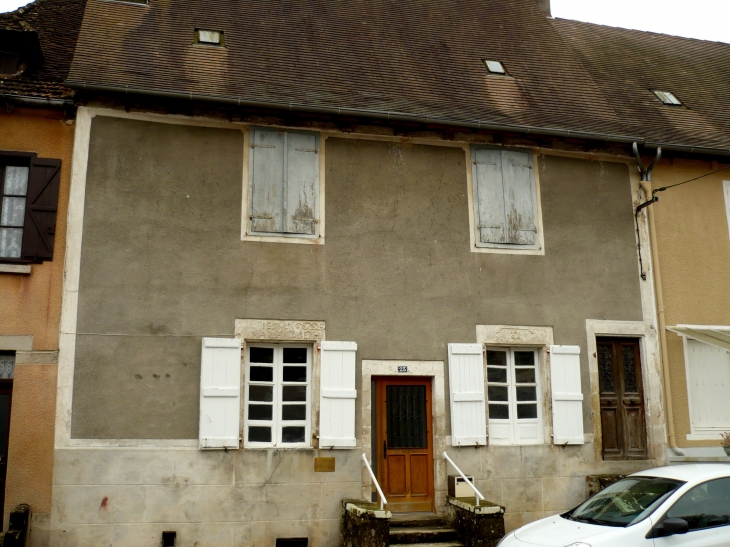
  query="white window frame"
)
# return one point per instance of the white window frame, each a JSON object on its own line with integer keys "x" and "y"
{"x": 511, "y": 383}
{"x": 502, "y": 248}
{"x": 276, "y": 422}
{"x": 697, "y": 433}
{"x": 246, "y": 206}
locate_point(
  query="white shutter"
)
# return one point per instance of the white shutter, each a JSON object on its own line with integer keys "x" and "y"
{"x": 520, "y": 206}
{"x": 466, "y": 378}
{"x": 337, "y": 395}
{"x": 302, "y": 183}
{"x": 708, "y": 369}
{"x": 220, "y": 393}
{"x": 267, "y": 179}
{"x": 726, "y": 189}
{"x": 488, "y": 195}
{"x": 567, "y": 395}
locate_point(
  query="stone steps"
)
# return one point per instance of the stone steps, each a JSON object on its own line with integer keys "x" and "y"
{"x": 422, "y": 530}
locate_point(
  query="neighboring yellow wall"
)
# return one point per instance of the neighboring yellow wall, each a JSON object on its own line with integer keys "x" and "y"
{"x": 31, "y": 305}
{"x": 694, "y": 254}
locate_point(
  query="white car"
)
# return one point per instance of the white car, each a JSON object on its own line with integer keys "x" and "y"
{"x": 682, "y": 506}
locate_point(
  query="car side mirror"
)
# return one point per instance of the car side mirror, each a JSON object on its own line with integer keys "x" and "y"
{"x": 669, "y": 527}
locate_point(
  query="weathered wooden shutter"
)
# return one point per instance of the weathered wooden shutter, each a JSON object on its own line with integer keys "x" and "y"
{"x": 519, "y": 198}
{"x": 268, "y": 171}
{"x": 220, "y": 393}
{"x": 466, "y": 378}
{"x": 39, "y": 229}
{"x": 566, "y": 394}
{"x": 337, "y": 395}
{"x": 302, "y": 183}
{"x": 488, "y": 195}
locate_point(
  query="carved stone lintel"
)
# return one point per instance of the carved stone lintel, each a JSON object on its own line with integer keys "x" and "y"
{"x": 274, "y": 330}
{"x": 510, "y": 335}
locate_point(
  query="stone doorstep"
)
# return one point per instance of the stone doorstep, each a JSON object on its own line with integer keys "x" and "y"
{"x": 484, "y": 507}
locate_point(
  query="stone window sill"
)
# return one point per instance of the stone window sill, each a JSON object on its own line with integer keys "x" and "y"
{"x": 23, "y": 269}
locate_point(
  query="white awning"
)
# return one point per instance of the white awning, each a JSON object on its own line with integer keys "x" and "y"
{"x": 716, "y": 335}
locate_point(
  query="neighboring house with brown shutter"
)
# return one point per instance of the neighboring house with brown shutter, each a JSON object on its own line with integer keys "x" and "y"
{"x": 369, "y": 230}
{"x": 675, "y": 92}
{"x": 36, "y": 140}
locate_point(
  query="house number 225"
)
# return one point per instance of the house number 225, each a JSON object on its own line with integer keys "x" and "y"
{"x": 402, "y": 370}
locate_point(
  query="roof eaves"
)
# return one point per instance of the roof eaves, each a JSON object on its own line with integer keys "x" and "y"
{"x": 368, "y": 113}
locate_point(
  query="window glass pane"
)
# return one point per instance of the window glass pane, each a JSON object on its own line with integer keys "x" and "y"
{"x": 4, "y": 414}
{"x": 7, "y": 366}
{"x": 260, "y": 412}
{"x": 16, "y": 180}
{"x": 258, "y": 434}
{"x": 525, "y": 375}
{"x": 497, "y": 358}
{"x": 10, "y": 241}
{"x": 295, "y": 355}
{"x": 261, "y": 355}
{"x": 261, "y": 393}
{"x": 292, "y": 434}
{"x": 294, "y": 412}
{"x": 294, "y": 393}
{"x": 527, "y": 393}
{"x": 497, "y": 393}
{"x": 497, "y": 375}
{"x": 524, "y": 358}
{"x": 261, "y": 374}
{"x": 13, "y": 212}
{"x": 705, "y": 506}
{"x": 526, "y": 411}
{"x": 498, "y": 412}
{"x": 295, "y": 374}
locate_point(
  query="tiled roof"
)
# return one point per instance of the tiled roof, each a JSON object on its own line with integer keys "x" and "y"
{"x": 627, "y": 64}
{"x": 419, "y": 58}
{"x": 57, "y": 23}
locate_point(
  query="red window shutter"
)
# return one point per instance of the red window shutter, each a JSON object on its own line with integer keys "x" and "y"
{"x": 40, "y": 211}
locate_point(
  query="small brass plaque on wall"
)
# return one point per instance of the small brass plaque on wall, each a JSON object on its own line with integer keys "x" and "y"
{"x": 324, "y": 465}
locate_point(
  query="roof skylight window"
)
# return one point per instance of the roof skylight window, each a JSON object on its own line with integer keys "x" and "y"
{"x": 209, "y": 37}
{"x": 667, "y": 97}
{"x": 495, "y": 67}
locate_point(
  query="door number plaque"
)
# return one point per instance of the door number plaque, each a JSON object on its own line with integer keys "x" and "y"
{"x": 402, "y": 369}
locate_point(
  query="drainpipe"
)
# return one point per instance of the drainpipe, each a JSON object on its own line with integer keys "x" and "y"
{"x": 661, "y": 323}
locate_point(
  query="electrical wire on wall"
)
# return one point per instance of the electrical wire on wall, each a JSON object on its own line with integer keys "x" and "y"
{"x": 646, "y": 176}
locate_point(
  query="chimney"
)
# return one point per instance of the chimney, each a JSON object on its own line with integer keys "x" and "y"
{"x": 544, "y": 6}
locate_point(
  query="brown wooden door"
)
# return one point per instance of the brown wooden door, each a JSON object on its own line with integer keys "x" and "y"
{"x": 405, "y": 442}
{"x": 622, "y": 399}
{"x": 6, "y": 395}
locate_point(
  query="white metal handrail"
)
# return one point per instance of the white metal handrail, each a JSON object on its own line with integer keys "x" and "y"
{"x": 477, "y": 493}
{"x": 372, "y": 476}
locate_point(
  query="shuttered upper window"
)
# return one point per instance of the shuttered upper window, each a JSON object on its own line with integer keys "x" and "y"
{"x": 505, "y": 199}
{"x": 28, "y": 201}
{"x": 283, "y": 183}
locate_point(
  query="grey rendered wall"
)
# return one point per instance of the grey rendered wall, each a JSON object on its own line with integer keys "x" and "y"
{"x": 163, "y": 264}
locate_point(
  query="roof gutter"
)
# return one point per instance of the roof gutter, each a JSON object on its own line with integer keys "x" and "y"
{"x": 37, "y": 101}
{"x": 381, "y": 114}
{"x": 689, "y": 149}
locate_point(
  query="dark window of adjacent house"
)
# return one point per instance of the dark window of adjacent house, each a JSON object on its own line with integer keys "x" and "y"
{"x": 28, "y": 202}
{"x": 292, "y": 542}
{"x": 9, "y": 63}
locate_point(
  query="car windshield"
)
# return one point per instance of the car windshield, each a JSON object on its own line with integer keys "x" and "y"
{"x": 625, "y": 502}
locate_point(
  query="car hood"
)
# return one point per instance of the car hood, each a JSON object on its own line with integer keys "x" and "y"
{"x": 558, "y": 532}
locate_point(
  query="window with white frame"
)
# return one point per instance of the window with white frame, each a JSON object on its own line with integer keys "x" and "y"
{"x": 708, "y": 379}
{"x": 513, "y": 393}
{"x": 278, "y": 395}
{"x": 283, "y": 187}
{"x": 505, "y": 199}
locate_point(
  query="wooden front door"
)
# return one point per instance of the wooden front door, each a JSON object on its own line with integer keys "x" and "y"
{"x": 6, "y": 395}
{"x": 405, "y": 442}
{"x": 622, "y": 399}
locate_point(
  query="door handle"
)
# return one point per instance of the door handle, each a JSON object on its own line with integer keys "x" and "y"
{"x": 385, "y": 450}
